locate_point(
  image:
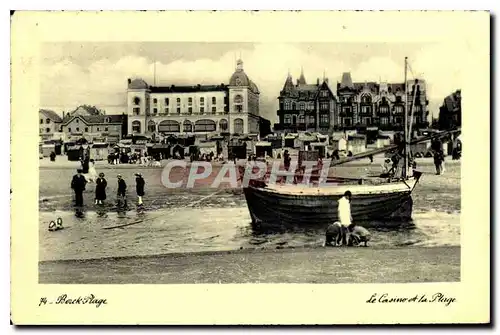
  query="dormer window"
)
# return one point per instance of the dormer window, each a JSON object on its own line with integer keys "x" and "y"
{"x": 137, "y": 100}
{"x": 77, "y": 121}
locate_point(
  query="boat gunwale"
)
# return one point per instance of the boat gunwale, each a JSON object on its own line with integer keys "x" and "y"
{"x": 294, "y": 190}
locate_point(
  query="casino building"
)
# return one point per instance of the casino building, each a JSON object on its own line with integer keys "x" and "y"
{"x": 199, "y": 109}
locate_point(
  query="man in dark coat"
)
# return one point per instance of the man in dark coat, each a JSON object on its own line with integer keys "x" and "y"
{"x": 286, "y": 160}
{"x": 100, "y": 189}
{"x": 139, "y": 187}
{"x": 78, "y": 185}
{"x": 122, "y": 190}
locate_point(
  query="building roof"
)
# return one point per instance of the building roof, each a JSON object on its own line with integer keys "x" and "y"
{"x": 187, "y": 89}
{"x": 97, "y": 119}
{"x": 137, "y": 84}
{"x": 240, "y": 78}
{"x": 346, "y": 80}
{"x": 50, "y": 114}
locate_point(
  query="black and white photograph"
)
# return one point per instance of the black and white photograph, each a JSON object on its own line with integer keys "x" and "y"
{"x": 256, "y": 162}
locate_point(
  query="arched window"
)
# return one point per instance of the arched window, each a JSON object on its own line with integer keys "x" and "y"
{"x": 238, "y": 126}
{"x": 204, "y": 126}
{"x": 136, "y": 126}
{"x": 302, "y": 106}
{"x": 169, "y": 126}
{"x": 223, "y": 125}
{"x": 366, "y": 99}
{"x": 187, "y": 126}
{"x": 287, "y": 119}
{"x": 238, "y": 103}
{"x": 151, "y": 126}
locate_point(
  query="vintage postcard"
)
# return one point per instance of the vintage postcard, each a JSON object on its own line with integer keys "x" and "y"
{"x": 250, "y": 168}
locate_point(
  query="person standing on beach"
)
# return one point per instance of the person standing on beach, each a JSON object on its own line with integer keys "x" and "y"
{"x": 100, "y": 189}
{"x": 139, "y": 188}
{"x": 78, "y": 185}
{"x": 122, "y": 191}
{"x": 286, "y": 160}
{"x": 344, "y": 213}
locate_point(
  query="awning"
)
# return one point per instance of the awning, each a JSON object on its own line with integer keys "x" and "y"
{"x": 318, "y": 144}
{"x": 291, "y": 136}
{"x": 307, "y": 138}
{"x": 125, "y": 142}
{"x": 263, "y": 144}
{"x": 216, "y": 138}
{"x": 207, "y": 144}
{"x": 160, "y": 146}
{"x": 100, "y": 145}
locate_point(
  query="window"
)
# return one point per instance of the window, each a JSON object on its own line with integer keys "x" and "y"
{"x": 77, "y": 129}
{"x": 167, "y": 101}
{"x": 366, "y": 99}
{"x": 190, "y": 101}
{"x": 238, "y": 103}
{"x": 384, "y": 120}
{"x": 302, "y": 106}
{"x": 77, "y": 121}
{"x": 137, "y": 100}
{"x": 187, "y": 126}
{"x": 136, "y": 110}
{"x": 202, "y": 110}
{"x": 398, "y": 109}
{"x": 86, "y": 129}
{"x": 347, "y": 121}
{"x": 311, "y": 105}
{"x": 324, "y": 105}
{"x": 287, "y": 119}
{"x": 178, "y": 101}
{"x": 302, "y": 119}
{"x": 178, "y": 110}
{"x": 41, "y": 121}
{"x": 324, "y": 119}
{"x": 47, "y": 130}
{"x": 169, "y": 126}
{"x": 204, "y": 125}
{"x": 223, "y": 125}
{"x": 323, "y": 94}
{"x": 202, "y": 101}
{"x": 47, "y": 121}
{"x": 107, "y": 120}
{"x": 383, "y": 109}
{"x": 346, "y": 110}
{"x": 151, "y": 126}
{"x": 155, "y": 101}
{"x": 155, "y": 111}
{"x": 310, "y": 120}
{"x": 105, "y": 128}
{"x": 136, "y": 126}
{"x": 98, "y": 129}
{"x": 366, "y": 109}
{"x": 190, "y": 110}
{"x": 288, "y": 105}
{"x": 69, "y": 130}
{"x": 214, "y": 100}
{"x": 398, "y": 120}
{"x": 238, "y": 126}
{"x": 214, "y": 110}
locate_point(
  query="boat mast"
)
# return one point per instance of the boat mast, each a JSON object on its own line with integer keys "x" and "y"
{"x": 405, "y": 124}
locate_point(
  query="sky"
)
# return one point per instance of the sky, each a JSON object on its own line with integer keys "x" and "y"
{"x": 75, "y": 73}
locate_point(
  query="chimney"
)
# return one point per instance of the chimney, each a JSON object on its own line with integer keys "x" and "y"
{"x": 317, "y": 82}
{"x": 326, "y": 80}
{"x": 129, "y": 81}
{"x": 64, "y": 114}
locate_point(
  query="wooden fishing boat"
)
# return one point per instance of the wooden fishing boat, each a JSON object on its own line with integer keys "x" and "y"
{"x": 311, "y": 203}
{"x": 299, "y": 205}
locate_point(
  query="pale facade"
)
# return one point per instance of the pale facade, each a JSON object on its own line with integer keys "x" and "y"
{"x": 199, "y": 109}
{"x": 50, "y": 124}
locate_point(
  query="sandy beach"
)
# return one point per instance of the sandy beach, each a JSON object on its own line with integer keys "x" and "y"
{"x": 303, "y": 265}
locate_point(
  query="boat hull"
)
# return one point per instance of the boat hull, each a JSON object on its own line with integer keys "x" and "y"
{"x": 276, "y": 208}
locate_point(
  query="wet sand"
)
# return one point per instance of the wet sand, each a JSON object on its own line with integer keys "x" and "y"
{"x": 301, "y": 265}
